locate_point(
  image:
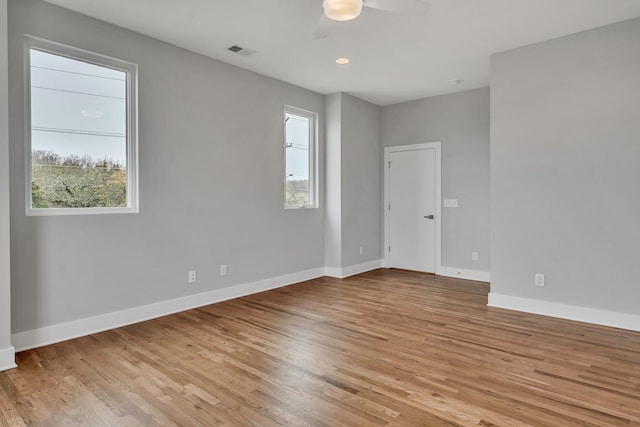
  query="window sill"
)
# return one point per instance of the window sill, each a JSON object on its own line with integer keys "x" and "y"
{"x": 80, "y": 211}
{"x": 291, "y": 208}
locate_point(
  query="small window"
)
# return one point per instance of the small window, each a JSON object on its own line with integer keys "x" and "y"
{"x": 300, "y": 168}
{"x": 81, "y": 134}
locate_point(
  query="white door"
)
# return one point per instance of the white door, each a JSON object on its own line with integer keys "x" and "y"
{"x": 412, "y": 209}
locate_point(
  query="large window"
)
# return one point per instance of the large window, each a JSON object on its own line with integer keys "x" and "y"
{"x": 300, "y": 168}
{"x": 81, "y": 132}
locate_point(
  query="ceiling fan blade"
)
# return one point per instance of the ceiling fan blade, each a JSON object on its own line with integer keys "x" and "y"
{"x": 409, "y": 7}
{"x": 322, "y": 28}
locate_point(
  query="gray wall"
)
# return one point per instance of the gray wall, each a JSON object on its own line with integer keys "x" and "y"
{"x": 565, "y": 174}
{"x": 211, "y": 168}
{"x": 361, "y": 181}
{"x": 461, "y": 122}
{"x": 5, "y": 294}
{"x": 353, "y": 212}
{"x": 333, "y": 166}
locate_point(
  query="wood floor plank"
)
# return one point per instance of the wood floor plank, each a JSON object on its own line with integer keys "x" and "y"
{"x": 384, "y": 348}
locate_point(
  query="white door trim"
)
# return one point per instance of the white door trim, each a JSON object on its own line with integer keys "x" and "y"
{"x": 411, "y": 147}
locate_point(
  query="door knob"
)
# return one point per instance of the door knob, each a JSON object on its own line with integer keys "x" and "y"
{"x": 429, "y": 216}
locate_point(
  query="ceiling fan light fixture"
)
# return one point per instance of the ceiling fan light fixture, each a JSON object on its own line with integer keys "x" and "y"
{"x": 342, "y": 10}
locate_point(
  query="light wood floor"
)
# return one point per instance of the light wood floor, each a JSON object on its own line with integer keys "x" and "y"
{"x": 383, "y": 348}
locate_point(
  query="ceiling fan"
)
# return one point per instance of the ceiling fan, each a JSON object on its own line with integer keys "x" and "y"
{"x": 347, "y": 10}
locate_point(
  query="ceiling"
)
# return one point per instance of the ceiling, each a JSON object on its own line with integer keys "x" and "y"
{"x": 394, "y": 57}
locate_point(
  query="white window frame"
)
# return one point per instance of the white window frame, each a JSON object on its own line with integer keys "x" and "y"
{"x": 313, "y": 155}
{"x": 131, "y": 71}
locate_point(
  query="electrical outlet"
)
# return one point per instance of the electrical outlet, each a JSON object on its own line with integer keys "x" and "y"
{"x": 474, "y": 256}
{"x": 223, "y": 269}
{"x": 193, "y": 276}
{"x": 361, "y": 250}
{"x": 539, "y": 280}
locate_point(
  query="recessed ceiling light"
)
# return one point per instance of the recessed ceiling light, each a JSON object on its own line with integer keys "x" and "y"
{"x": 342, "y": 61}
{"x": 455, "y": 82}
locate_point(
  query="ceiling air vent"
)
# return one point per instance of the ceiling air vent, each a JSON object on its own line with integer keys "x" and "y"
{"x": 241, "y": 51}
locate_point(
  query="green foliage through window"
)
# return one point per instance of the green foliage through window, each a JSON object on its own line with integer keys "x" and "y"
{"x": 296, "y": 192}
{"x": 76, "y": 182}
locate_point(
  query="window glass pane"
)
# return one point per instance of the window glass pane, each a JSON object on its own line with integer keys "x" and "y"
{"x": 78, "y": 133}
{"x": 297, "y": 185}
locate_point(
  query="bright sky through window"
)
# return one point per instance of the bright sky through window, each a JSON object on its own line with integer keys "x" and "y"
{"x": 77, "y": 108}
{"x": 298, "y": 147}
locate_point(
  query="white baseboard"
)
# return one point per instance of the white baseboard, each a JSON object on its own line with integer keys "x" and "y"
{"x": 565, "y": 311}
{"x": 7, "y": 359}
{"x": 333, "y": 272}
{"x": 91, "y": 325}
{"x": 352, "y": 270}
{"x": 460, "y": 273}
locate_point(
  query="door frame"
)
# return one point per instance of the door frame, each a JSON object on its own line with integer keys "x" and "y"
{"x": 412, "y": 147}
